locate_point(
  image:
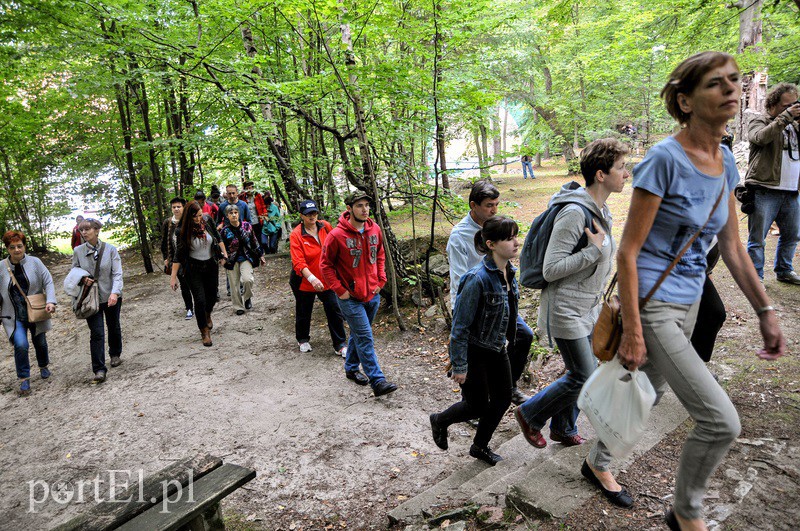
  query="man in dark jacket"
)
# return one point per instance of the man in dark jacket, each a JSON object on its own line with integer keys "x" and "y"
{"x": 773, "y": 174}
{"x": 168, "y": 244}
{"x": 352, "y": 265}
{"x": 232, "y": 198}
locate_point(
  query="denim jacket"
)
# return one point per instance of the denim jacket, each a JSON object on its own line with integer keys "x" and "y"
{"x": 482, "y": 312}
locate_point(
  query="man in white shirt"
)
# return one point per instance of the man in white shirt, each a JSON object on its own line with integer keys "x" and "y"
{"x": 483, "y": 200}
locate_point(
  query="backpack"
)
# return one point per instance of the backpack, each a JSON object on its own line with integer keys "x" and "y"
{"x": 531, "y": 259}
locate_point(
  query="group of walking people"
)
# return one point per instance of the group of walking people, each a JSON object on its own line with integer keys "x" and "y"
{"x": 682, "y": 205}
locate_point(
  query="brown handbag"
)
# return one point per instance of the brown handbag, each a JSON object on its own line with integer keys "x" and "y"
{"x": 36, "y": 304}
{"x": 607, "y": 333}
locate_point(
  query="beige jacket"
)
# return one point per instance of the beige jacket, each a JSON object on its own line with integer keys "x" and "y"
{"x": 766, "y": 147}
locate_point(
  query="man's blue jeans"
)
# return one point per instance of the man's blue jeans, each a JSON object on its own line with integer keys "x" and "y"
{"x": 20, "y": 341}
{"x": 360, "y": 347}
{"x": 559, "y": 400}
{"x": 527, "y": 167}
{"x": 784, "y": 209}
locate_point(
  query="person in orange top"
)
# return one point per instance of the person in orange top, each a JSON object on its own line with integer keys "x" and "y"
{"x": 305, "y": 245}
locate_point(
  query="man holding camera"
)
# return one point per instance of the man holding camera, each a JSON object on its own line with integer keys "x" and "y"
{"x": 773, "y": 176}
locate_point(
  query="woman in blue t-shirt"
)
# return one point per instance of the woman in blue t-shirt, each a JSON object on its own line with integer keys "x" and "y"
{"x": 675, "y": 189}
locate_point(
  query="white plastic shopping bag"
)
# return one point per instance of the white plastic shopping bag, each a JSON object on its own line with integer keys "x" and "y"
{"x": 618, "y": 403}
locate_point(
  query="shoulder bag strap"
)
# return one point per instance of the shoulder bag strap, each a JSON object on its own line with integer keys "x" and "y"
{"x": 100, "y": 250}
{"x": 86, "y": 289}
{"x": 684, "y": 249}
{"x": 14, "y": 280}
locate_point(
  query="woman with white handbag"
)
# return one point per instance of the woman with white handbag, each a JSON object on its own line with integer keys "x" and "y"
{"x": 682, "y": 197}
{"x": 27, "y": 298}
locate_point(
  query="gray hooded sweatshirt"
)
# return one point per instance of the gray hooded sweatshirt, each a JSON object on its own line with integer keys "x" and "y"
{"x": 570, "y": 304}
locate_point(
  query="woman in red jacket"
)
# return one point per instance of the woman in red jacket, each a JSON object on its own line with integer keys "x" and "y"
{"x": 305, "y": 244}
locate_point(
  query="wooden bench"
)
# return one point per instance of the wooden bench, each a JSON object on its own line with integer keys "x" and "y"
{"x": 183, "y": 496}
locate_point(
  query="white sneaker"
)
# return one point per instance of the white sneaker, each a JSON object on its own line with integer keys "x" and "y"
{"x": 342, "y": 352}
{"x": 189, "y": 315}
{"x": 305, "y": 347}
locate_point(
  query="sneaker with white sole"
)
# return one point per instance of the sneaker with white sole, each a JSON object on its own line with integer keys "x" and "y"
{"x": 305, "y": 347}
{"x": 790, "y": 278}
{"x": 189, "y": 315}
{"x": 342, "y": 352}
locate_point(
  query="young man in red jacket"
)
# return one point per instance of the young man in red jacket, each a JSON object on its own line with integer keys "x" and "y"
{"x": 352, "y": 265}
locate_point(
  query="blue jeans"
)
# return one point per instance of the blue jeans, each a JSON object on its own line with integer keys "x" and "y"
{"x": 360, "y": 347}
{"x": 527, "y": 167}
{"x": 270, "y": 242}
{"x": 518, "y": 356}
{"x": 558, "y": 401}
{"x": 20, "y": 341}
{"x": 784, "y": 209}
{"x": 97, "y": 334}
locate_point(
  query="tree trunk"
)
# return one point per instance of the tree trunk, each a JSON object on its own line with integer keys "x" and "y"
{"x": 504, "y": 146}
{"x": 395, "y": 264}
{"x": 276, "y": 145}
{"x": 123, "y": 108}
{"x": 485, "y": 149}
{"x": 140, "y": 93}
{"x": 497, "y": 140}
{"x": 141, "y": 223}
{"x": 754, "y": 83}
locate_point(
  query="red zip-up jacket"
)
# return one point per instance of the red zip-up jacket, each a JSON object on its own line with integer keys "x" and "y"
{"x": 352, "y": 261}
{"x": 306, "y": 251}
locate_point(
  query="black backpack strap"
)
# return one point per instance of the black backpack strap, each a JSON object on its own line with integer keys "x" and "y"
{"x": 583, "y": 241}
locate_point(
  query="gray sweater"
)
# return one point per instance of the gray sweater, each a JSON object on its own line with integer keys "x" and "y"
{"x": 39, "y": 280}
{"x": 570, "y": 303}
{"x": 110, "y": 278}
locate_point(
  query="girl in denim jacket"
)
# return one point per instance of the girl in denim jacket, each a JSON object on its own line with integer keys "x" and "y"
{"x": 484, "y": 325}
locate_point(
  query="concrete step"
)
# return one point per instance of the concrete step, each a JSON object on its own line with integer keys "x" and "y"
{"x": 556, "y": 487}
{"x": 473, "y": 479}
{"x": 537, "y": 481}
{"x": 490, "y": 488}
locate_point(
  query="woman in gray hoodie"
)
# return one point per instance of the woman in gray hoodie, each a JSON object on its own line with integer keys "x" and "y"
{"x": 577, "y": 265}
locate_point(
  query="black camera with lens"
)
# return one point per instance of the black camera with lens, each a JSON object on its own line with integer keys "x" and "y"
{"x": 747, "y": 197}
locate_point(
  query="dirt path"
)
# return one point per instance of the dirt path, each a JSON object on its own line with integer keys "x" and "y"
{"x": 326, "y": 450}
{"x": 328, "y": 454}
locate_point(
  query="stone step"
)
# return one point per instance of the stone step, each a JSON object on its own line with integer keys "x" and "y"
{"x": 536, "y": 481}
{"x": 476, "y": 477}
{"x": 556, "y": 487}
{"x": 490, "y": 489}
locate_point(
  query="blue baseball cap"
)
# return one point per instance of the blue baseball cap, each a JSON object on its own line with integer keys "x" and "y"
{"x": 307, "y": 207}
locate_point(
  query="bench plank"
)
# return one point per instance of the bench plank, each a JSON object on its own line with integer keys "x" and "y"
{"x": 207, "y": 491}
{"x": 108, "y": 514}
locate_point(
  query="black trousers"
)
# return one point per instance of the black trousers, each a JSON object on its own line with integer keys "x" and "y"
{"x": 304, "y": 305}
{"x": 186, "y": 293}
{"x": 202, "y": 277}
{"x": 97, "y": 334}
{"x": 486, "y": 394}
{"x": 710, "y": 318}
